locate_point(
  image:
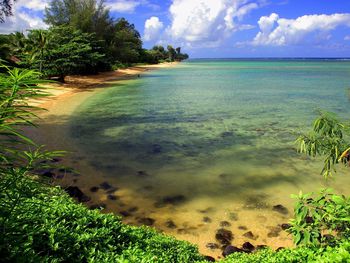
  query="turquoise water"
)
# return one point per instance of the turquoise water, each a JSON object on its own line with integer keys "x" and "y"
{"x": 218, "y": 132}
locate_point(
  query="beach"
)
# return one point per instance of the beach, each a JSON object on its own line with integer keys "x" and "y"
{"x": 192, "y": 176}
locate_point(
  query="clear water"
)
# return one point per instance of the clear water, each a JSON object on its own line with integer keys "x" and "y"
{"x": 219, "y": 132}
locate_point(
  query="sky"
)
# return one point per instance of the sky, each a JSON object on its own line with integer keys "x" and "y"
{"x": 224, "y": 28}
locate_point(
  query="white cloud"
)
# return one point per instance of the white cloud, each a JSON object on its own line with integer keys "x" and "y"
{"x": 153, "y": 26}
{"x": 22, "y": 21}
{"x": 36, "y": 5}
{"x": 123, "y": 6}
{"x": 278, "y": 31}
{"x": 207, "y": 22}
{"x": 129, "y": 6}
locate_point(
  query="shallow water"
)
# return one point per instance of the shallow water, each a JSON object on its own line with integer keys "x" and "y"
{"x": 212, "y": 138}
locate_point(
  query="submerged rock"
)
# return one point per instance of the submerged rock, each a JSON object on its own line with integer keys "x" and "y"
{"x": 230, "y": 249}
{"x": 112, "y": 197}
{"x": 75, "y": 192}
{"x": 146, "y": 221}
{"x": 286, "y": 226}
{"x": 94, "y": 189}
{"x": 233, "y": 216}
{"x": 170, "y": 224}
{"x": 125, "y": 213}
{"x": 224, "y": 236}
{"x": 206, "y": 219}
{"x": 280, "y": 209}
{"x": 156, "y": 148}
{"x": 225, "y": 224}
{"x": 105, "y": 186}
{"x": 250, "y": 235}
{"x": 133, "y": 209}
{"x": 242, "y": 228}
{"x": 274, "y": 231}
{"x": 142, "y": 174}
{"x": 212, "y": 246}
{"x": 112, "y": 190}
{"x": 170, "y": 200}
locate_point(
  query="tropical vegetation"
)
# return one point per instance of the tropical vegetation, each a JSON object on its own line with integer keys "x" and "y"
{"x": 82, "y": 38}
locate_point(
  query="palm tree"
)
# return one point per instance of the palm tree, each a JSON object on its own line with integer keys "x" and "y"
{"x": 38, "y": 41}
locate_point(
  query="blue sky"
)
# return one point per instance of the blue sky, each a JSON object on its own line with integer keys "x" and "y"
{"x": 225, "y": 28}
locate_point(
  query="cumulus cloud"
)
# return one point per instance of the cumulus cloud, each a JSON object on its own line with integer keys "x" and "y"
{"x": 207, "y": 21}
{"x": 23, "y": 20}
{"x": 123, "y": 6}
{"x": 153, "y": 26}
{"x": 278, "y": 31}
{"x": 129, "y": 6}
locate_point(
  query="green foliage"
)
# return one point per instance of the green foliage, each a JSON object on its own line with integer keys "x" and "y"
{"x": 337, "y": 254}
{"x": 70, "y": 51}
{"x": 321, "y": 220}
{"x": 328, "y": 138}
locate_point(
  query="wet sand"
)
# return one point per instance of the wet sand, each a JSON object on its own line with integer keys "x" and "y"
{"x": 198, "y": 221}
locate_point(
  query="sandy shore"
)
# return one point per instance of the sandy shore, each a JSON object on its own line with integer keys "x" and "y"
{"x": 77, "y": 83}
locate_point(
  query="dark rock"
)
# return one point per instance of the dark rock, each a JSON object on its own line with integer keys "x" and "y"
{"x": 112, "y": 197}
{"x": 146, "y": 221}
{"x": 125, "y": 213}
{"x": 94, "y": 189}
{"x": 242, "y": 228}
{"x": 280, "y": 248}
{"x": 170, "y": 224}
{"x": 280, "y": 209}
{"x": 233, "y": 216}
{"x": 225, "y": 224}
{"x": 286, "y": 226}
{"x": 75, "y": 192}
{"x": 224, "y": 236}
{"x": 259, "y": 247}
{"x": 174, "y": 200}
{"x": 105, "y": 186}
{"x": 142, "y": 174}
{"x": 248, "y": 247}
{"x": 133, "y": 209}
{"x": 206, "y": 219}
{"x": 230, "y": 249}
{"x": 250, "y": 235}
{"x": 212, "y": 246}
{"x": 156, "y": 148}
{"x": 49, "y": 174}
{"x": 98, "y": 206}
{"x": 209, "y": 259}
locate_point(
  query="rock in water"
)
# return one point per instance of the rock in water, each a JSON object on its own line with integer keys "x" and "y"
{"x": 75, "y": 192}
{"x": 280, "y": 209}
{"x": 212, "y": 245}
{"x": 248, "y": 247}
{"x": 224, "y": 236}
{"x": 230, "y": 249}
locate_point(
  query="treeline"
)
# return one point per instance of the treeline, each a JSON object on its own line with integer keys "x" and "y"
{"x": 82, "y": 38}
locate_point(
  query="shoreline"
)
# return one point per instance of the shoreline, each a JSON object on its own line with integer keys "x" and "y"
{"x": 80, "y": 83}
